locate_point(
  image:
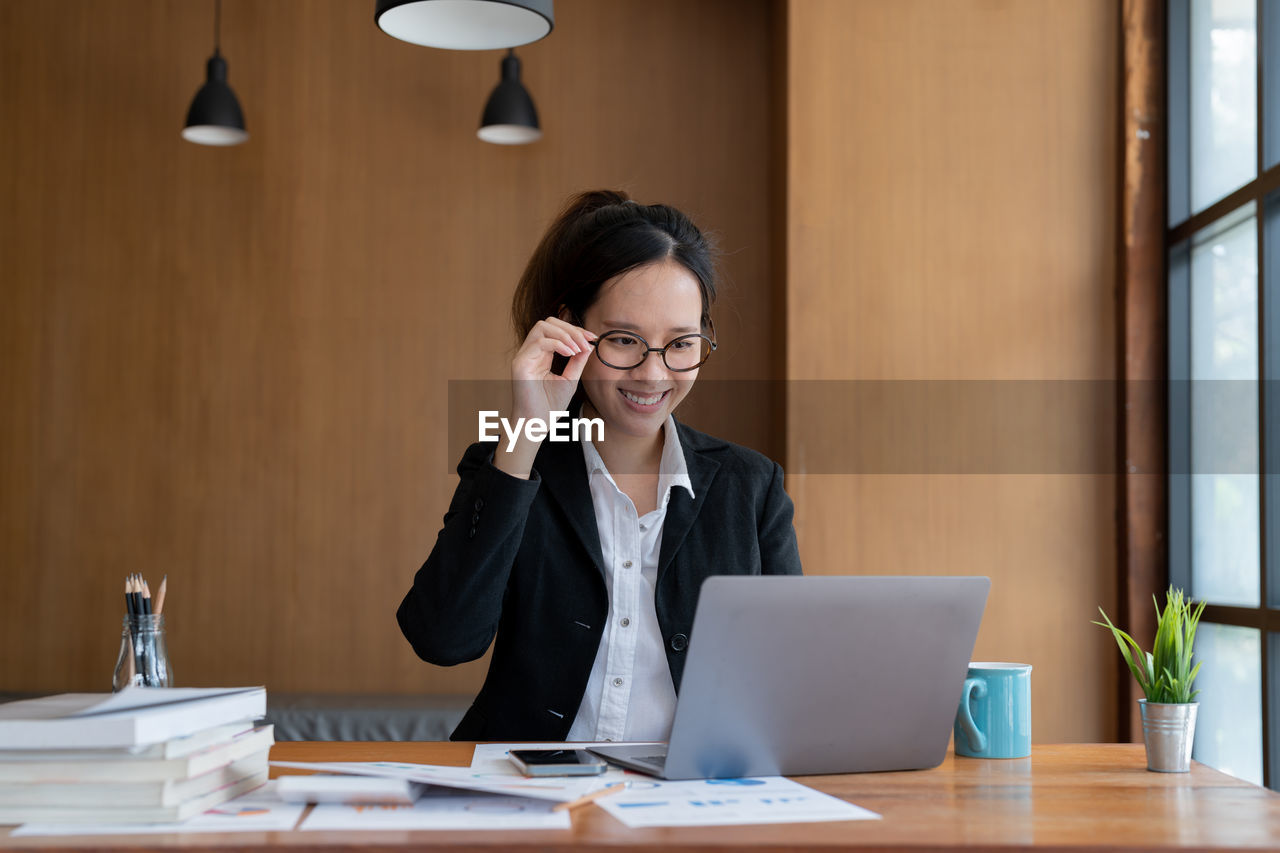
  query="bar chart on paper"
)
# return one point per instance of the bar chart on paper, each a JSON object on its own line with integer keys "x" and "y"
{"x": 724, "y": 802}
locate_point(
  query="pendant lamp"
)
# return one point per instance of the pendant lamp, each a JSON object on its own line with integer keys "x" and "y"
{"x": 215, "y": 117}
{"x": 510, "y": 117}
{"x": 465, "y": 24}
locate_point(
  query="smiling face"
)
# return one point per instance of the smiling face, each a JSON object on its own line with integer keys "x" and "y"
{"x": 658, "y": 302}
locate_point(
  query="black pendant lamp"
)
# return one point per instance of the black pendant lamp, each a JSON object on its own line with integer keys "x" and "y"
{"x": 510, "y": 117}
{"x": 466, "y": 24}
{"x": 215, "y": 117}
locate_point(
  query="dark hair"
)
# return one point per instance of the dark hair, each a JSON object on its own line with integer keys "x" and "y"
{"x": 601, "y": 234}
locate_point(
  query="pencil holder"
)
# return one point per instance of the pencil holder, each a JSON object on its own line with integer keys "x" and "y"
{"x": 144, "y": 657}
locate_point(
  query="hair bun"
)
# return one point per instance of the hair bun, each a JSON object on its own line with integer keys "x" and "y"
{"x": 598, "y": 235}
{"x": 593, "y": 200}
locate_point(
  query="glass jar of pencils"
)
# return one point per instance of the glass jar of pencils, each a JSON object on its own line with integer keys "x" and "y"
{"x": 144, "y": 657}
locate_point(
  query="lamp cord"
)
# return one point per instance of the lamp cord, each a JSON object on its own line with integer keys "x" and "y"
{"x": 217, "y": 25}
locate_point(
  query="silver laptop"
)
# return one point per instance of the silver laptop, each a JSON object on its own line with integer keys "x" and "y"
{"x": 801, "y": 675}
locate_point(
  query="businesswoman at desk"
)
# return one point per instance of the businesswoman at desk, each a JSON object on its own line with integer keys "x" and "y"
{"x": 585, "y": 558}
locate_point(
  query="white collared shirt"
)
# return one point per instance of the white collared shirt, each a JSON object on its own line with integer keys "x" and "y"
{"x": 630, "y": 695}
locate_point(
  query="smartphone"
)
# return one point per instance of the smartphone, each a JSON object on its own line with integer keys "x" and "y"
{"x": 557, "y": 762}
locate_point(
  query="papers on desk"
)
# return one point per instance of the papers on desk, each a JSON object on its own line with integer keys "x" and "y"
{"x": 646, "y": 801}
{"x": 264, "y": 811}
{"x": 557, "y": 789}
{"x": 492, "y": 795}
{"x": 348, "y": 790}
{"x": 259, "y": 811}
{"x": 456, "y": 809}
{"x": 725, "y": 802}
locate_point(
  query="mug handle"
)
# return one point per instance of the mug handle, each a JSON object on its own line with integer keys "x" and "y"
{"x": 973, "y": 688}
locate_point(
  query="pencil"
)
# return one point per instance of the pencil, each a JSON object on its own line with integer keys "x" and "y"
{"x": 160, "y": 595}
{"x": 588, "y": 798}
{"x": 133, "y": 601}
{"x": 146, "y": 637}
{"x": 135, "y": 594}
{"x": 151, "y": 676}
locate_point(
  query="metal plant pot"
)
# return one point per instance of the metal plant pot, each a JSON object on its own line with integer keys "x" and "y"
{"x": 1168, "y": 731}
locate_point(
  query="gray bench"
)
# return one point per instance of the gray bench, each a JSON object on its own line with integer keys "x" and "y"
{"x": 333, "y": 716}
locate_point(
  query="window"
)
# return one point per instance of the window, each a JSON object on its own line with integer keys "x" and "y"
{"x": 1224, "y": 362}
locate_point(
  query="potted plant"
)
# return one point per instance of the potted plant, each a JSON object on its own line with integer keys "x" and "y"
{"x": 1165, "y": 675}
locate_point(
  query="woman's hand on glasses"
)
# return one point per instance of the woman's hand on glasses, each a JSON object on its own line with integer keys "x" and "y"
{"x": 536, "y": 392}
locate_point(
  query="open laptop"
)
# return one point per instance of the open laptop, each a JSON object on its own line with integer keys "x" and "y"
{"x": 802, "y": 675}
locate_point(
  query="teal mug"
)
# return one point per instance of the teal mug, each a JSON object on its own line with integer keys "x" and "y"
{"x": 994, "y": 719}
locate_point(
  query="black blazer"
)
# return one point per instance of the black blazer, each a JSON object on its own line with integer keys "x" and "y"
{"x": 522, "y": 559}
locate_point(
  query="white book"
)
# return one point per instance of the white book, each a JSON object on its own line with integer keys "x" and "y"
{"x": 169, "y": 792}
{"x": 129, "y": 768}
{"x": 135, "y": 716}
{"x": 172, "y": 748}
{"x": 132, "y": 814}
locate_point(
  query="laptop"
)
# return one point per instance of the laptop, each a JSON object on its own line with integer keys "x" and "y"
{"x": 791, "y": 676}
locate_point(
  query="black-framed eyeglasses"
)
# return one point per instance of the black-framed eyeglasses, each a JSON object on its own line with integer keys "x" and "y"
{"x": 624, "y": 350}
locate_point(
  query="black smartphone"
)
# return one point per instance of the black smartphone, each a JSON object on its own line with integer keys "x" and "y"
{"x": 557, "y": 762}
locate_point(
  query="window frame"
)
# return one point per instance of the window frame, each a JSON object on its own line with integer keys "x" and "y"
{"x": 1181, "y": 228}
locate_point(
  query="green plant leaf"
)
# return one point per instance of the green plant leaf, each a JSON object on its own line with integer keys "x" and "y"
{"x": 1140, "y": 673}
{"x": 1165, "y": 674}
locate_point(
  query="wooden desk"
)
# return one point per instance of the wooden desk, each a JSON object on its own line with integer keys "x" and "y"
{"x": 1073, "y": 797}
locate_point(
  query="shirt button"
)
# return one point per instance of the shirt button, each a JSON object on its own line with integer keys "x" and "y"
{"x": 624, "y": 622}
{"x": 643, "y": 527}
{"x": 479, "y": 504}
{"x": 626, "y": 564}
{"x": 617, "y": 682}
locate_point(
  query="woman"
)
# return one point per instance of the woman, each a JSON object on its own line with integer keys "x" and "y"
{"x": 585, "y": 559}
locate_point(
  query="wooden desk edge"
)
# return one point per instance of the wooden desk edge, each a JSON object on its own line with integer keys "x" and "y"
{"x": 1071, "y": 797}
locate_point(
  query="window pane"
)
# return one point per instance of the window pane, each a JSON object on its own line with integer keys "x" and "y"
{"x": 1225, "y": 507}
{"x": 1229, "y": 722}
{"x": 1270, "y": 39}
{"x": 1224, "y": 98}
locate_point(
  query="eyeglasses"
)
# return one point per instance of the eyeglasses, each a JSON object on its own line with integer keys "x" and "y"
{"x": 627, "y": 351}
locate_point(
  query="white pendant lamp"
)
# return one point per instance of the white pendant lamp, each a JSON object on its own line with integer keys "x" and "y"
{"x": 466, "y": 24}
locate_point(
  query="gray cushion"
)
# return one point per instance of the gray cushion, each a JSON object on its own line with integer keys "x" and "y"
{"x": 334, "y": 716}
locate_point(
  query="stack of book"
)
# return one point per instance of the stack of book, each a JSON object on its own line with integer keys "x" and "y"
{"x": 143, "y": 755}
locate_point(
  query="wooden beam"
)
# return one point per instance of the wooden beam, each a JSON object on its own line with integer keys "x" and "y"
{"x": 1143, "y": 563}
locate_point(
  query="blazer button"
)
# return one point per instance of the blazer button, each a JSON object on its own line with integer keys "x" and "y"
{"x": 471, "y": 534}
{"x": 679, "y": 642}
{"x": 475, "y": 518}
{"x": 479, "y": 504}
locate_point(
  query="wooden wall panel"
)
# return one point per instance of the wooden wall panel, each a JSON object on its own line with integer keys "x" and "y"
{"x": 231, "y": 366}
{"x": 951, "y": 215}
